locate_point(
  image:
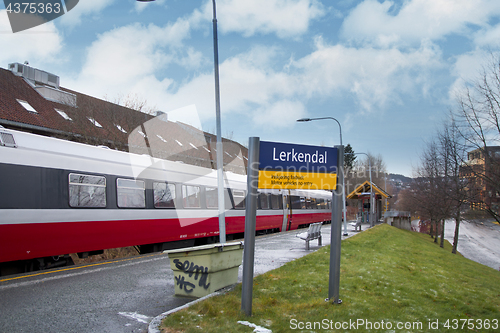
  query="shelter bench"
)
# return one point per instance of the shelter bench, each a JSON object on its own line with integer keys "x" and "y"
{"x": 356, "y": 224}
{"x": 314, "y": 232}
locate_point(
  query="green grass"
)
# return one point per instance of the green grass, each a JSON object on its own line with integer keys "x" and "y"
{"x": 387, "y": 275}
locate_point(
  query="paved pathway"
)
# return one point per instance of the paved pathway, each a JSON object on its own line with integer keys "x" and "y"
{"x": 275, "y": 250}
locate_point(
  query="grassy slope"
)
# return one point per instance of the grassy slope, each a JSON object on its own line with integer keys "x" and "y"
{"x": 386, "y": 274}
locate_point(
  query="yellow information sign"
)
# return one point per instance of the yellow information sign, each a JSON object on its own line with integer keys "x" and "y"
{"x": 297, "y": 180}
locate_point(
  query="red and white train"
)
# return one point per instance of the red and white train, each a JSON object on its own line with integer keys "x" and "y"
{"x": 59, "y": 197}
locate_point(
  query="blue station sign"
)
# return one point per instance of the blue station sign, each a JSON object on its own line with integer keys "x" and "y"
{"x": 293, "y": 166}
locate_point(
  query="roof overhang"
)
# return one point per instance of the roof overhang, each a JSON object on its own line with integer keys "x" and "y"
{"x": 364, "y": 190}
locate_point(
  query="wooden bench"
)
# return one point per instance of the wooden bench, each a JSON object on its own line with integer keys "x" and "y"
{"x": 314, "y": 232}
{"x": 356, "y": 224}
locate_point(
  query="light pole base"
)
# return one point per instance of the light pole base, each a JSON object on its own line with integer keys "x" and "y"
{"x": 339, "y": 301}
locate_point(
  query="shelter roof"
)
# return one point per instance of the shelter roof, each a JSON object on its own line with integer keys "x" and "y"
{"x": 365, "y": 189}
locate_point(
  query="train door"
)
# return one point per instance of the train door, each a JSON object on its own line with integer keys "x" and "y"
{"x": 287, "y": 211}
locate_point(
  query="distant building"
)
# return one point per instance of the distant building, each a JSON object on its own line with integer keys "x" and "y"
{"x": 32, "y": 100}
{"x": 482, "y": 171}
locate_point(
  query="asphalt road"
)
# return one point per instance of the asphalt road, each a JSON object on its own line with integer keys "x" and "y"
{"x": 118, "y": 296}
{"x": 478, "y": 241}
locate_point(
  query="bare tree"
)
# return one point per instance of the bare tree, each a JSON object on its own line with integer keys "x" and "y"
{"x": 428, "y": 187}
{"x": 452, "y": 152}
{"x": 478, "y": 123}
{"x": 440, "y": 190}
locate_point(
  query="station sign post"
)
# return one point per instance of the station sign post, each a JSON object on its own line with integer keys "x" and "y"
{"x": 276, "y": 165}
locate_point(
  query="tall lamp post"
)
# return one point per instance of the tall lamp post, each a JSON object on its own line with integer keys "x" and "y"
{"x": 343, "y": 178}
{"x": 219, "y": 152}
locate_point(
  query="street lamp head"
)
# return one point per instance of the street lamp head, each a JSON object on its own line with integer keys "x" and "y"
{"x": 145, "y": 0}
{"x": 304, "y": 119}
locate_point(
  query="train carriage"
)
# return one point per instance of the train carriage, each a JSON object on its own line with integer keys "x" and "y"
{"x": 59, "y": 197}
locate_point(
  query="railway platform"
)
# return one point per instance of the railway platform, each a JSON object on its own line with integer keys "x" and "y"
{"x": 272, "y": 251}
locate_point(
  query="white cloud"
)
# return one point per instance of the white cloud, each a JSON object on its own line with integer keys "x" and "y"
{"x": 38, "y": 45}
{"x": 247, "y": 82}
{"x": 83, "y": 8}
{"x": 279, "y": 114}
{"x": 488, "y": 37}
{"x": 250, "y": 85}
{"x": 120, "y": 59}
{"x": 128, "y": 59}
{"x": 376, "y": 23}
{"x": 467, "y": 69}
{"x": 285, "y": 18}
{"x": 373, "y": 76}
{"x": 194, "y": 59}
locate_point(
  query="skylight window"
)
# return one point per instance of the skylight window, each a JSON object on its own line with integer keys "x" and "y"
{"x": 120, "y": 128}
{"x": 161, "y": 138}
{"x": 142, "y": 133}
{"x": 27, "y": 106}
{"x": 180, "y": 144}
{"x": 63, "y": 114}
{"x": 93, "y": 121}
{"x": 193, "y": 146}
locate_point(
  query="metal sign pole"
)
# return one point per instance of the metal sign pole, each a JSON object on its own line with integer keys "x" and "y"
{"x": 336, "y": 234}
{"x": 250, "y": 223}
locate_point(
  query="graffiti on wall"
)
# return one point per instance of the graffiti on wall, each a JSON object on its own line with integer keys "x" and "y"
{"x": 189, "y": 269}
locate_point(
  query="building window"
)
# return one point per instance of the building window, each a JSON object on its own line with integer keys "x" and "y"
{"x": 27, "y": 106}
{"x": 121, "y": 129}
{"x": 161, "y": 138}
{"x": 63, "y": 114}
{"x": 87, "y": 191}
{"x": 93, "y": 121}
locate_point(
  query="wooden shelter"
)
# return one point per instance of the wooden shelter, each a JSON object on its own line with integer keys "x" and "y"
{"x": 362, "y": 194}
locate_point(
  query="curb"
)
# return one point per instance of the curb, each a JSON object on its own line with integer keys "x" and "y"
{"x": 155, "y": 323}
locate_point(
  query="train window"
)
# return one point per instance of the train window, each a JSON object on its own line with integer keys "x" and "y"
{"x": 191, "y": 196}
{"x": 212, "y": 198}
{"x": 276, "y": 201}
{"x": 311, "y": 203}
{"x": 320, "y": 203}
{"x": 164, "y": 195}
{"x": 264, "y": 200}
{"x": 87, "y": 191}
{"x": 130, "y": 193}
{"x": 239, "y": 199}
{"x": 298, "y": 202}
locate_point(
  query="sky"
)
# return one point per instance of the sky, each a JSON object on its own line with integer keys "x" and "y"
{"x": 388, "y": 71}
